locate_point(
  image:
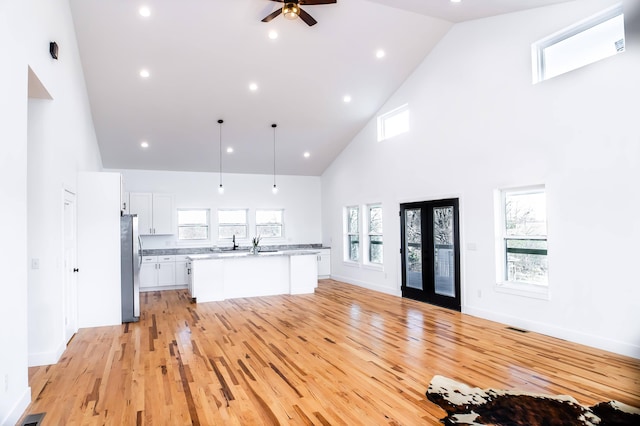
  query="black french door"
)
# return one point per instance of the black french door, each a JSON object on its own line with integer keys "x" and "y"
{"x": 431, "y": 252}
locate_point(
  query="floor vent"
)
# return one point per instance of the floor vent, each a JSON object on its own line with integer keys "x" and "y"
{"x": 519, "y": 330}
{"x": 33, "y": 420}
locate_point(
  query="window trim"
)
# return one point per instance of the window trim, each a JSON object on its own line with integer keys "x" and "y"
{"x": 245, "y": 224}
{"x": 503, "y": 285}
{"x": 207, "y": 225}
{"x": 281, "y": 223}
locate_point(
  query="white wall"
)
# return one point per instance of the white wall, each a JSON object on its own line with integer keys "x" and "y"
{"x": 53, "y": 139}
{"x": 99, "y": 290}
{"x": 478, "y": 124}
{"x": 299, "y": 196}
{"x": 14, "y": 387}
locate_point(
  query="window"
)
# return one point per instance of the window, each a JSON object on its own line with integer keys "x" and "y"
{"x": 524, "y": 236}
{"x": 352, "y": 225}
{"x": 269, "y": 223}
{"x": 232, "y": 222}
{"x": 582, "y": 44}
{"x": 375, "y": 233}
{"x": 393, "y": 123}
{"x": 193, "y": 224}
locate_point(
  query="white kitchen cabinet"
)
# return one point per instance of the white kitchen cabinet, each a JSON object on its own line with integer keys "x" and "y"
{"x": 149, "y": 272}
{"x": 324, "y": 263}
{"x": 155, "y": 212}
{"x": 182, "y": 273}
{"x": 157, "y": 271}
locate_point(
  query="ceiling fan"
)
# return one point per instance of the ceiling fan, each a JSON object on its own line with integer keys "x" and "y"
{"x": 291, "y": 10}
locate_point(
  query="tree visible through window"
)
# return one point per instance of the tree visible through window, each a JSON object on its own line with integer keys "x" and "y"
{"x": 269, "y": 223}
{"x": 375, "y": 234}
{"x": 353, "y": 235}
{"x": 232, "y": 222}
{"x": 193, "y": 224}
{"x": 525, "y": 236}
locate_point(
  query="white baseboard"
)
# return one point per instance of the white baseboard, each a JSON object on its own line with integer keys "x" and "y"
{"x": 381, "y": 289}
{"x": 46, "y": 358}
{"x": 18, "y": 409}
{"x": 599, "y": 342}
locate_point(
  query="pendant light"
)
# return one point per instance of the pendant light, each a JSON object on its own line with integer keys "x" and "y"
{"x": 220, "y": 187}
{"x": 275, "y": 188}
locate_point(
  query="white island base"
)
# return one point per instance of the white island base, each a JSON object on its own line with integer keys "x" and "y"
{"x": 217, "y": 277}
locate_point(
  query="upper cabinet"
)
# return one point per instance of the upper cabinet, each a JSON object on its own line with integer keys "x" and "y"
{"x": 155, "y": 212}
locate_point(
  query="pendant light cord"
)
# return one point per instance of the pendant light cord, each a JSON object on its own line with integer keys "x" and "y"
{"x": 274, "y": 154}
{"x": 220, "y": 143}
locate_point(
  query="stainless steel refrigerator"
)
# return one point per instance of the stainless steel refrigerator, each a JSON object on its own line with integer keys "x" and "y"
{"x": 131, "y": 256}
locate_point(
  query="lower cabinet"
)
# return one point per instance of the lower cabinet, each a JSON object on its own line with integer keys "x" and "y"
{"x": 182, "y": 271}
{"x": 324, "y": 263}
{"x": 157, "y": 271}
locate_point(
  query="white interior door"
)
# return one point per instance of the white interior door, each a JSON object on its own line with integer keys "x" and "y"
{"x": 70, "y": 266}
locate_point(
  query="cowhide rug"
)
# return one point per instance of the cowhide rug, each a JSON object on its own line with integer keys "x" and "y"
{"x": 474, "y": 406}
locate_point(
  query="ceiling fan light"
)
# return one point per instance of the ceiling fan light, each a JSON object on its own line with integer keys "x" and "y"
{"x": 290, "y": 11}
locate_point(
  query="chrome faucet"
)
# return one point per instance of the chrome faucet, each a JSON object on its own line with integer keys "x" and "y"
{"x": 235, "y": 246}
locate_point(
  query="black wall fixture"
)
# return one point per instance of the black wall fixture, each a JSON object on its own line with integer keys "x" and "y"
{"x": 53, "y": 49}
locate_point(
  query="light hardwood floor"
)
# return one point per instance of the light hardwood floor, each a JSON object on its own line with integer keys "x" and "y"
{"x": 342, "y": 356}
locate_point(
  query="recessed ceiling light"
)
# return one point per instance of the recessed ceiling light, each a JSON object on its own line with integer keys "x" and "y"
{"x": 273, "y": 35}
{"x": 144, "y": 73}
{"x": 456, "y": 1}
{"x": 144, "y": 144}
{"x": 380, "y": 53}
{"x": 229, "y": 150}
{"x": 307, "y": 154}
{"x": 253, "y": 87}
{"x": 346, "y": 99}
{"x": 144, "y": 11}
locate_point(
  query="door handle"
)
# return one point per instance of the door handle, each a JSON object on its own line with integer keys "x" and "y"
{"x": 76, "y": 270}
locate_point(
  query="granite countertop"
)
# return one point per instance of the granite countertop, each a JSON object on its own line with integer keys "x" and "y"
{"x": 239, "y": 254}
{"x": 207, "y": 251}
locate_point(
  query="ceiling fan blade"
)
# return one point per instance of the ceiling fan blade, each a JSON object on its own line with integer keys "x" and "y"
{"x": 312, "y": 2}
{"x": 308, "y": 19}
{"x": 272, "y": 15}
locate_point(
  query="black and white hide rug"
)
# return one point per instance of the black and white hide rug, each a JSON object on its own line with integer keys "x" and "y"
{"x": 474, "y": 406}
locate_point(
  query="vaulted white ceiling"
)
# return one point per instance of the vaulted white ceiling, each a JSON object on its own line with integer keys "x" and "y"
{"x": 202, "y": 56}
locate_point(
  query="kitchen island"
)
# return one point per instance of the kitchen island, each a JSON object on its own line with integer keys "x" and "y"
{"x": 234, "y": 274}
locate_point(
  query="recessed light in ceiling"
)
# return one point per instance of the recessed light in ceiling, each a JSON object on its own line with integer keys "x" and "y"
{"x": 229, "y": 150}
{"x": 253, "y": 87}
{"x": 380, "y": 53}
{"x": 144, "y": 73}
{"x": 307, "y": 154}
{"x": 273, "y": 35}
{"x": 346, "y": 99}
{"x": 144, "y": 11}
{"x": 456, "y": 1}
{"x": 144, "y": 144}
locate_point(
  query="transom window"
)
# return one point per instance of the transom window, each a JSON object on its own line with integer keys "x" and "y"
{"x": 193, "y": 224}
{"x": 393, "y": 123}
{"x": 524, "y": 236}
{"x": 581, "y": 44}
{"x": 232, "y": 222}
{"x": 270, "y": 223}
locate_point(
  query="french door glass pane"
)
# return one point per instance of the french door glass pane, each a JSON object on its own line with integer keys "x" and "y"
{"x": 444, "y": 251}
{"x": 413, "y": 249}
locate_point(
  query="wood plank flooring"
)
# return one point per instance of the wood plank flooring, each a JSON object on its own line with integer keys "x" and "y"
{"x": 342, "y": 356}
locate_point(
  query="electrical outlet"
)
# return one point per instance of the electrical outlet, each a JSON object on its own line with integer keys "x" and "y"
{"x": 35, "y": 263}
{"x": 479, "y": 294}
{"x": 6, "y": 383}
